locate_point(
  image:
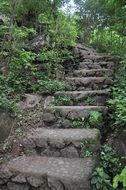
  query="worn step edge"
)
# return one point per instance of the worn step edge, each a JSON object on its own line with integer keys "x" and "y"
{"x": 94, "y": 72}
{"x": 62, "y": 142}
{"x": 82, "y": 98}
{"x": 96, "y": 65}
{"x": 88, "y": 78}
{"x": 89, "y": 92}
{"x": 59, "y": 173}
{"x": 48, "y": 106}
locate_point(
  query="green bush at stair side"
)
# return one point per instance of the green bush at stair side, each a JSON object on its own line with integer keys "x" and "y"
{"x": 100, "y": 180}
{"x": 109, "y": 165}
{"x": 119, "y": 181}
{"x": 109, "y": 160}
{"x": 117, "y": 103}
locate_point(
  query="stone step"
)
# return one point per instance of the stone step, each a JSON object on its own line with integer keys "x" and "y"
{"x": 75, "y": 112}
{"x": 95, "y": 57}
{"x": 44, "y": 173}
{"x": 81, "y": 98}
{"x": 96, "y": 65}
{"x": 69, "y": 143}
{"x": 87, "y": 83}
{"x": 71, "y": 116}
{"x": 64, "y": 116}
{"x": 93, "y": 73}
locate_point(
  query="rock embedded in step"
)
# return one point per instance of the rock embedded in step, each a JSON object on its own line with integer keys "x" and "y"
{"x": 43, "y": 188}
{"x": 35, "y": 181}
{"x": 108, "y": 81}
{"x": 66, "y": 124}
{"x": 19, "y": 179}
{"x": 17, "y": 186}
{"x": 50, "y": 153}
{"x": 5, "y": 174}
{"x": 49, "y": 118}
{"x": 54, "y": 184}
{"x": 69, "y": 152}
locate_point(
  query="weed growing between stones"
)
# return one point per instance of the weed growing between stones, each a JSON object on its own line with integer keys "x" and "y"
{"x": 78, "y": 123}
{"x": 95, "y": 119}
{"x": 62, "y": 100}
{"x": 90, "y": 100}
{"x": 84, "y": 149}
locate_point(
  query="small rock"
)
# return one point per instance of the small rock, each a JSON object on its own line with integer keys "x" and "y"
{"x": 66, "y": 124}
{"x": 19, "y": 178}
{"x": 16, "y": 186}
{"x": 69, "y": 152}
{"x": 54, "y": 184}
{"x": 35, "y": 181}
{"x": 50, "y": 153}
{"x": 49, "y": 118}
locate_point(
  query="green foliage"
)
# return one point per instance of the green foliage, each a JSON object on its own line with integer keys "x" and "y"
{"x": 9, "y": 105}
{"x": 118, "y": 102}
{"x": 65, "y": 32}
{"x": 84, "y": 149}
{"x": 108, "y": 41}
{"x": 19, "y": 132}
{"x": 48, "y": 86}
{"x": 95, "y": 118}
{"x": 100, "y": 180}
{"x": 109, "y": 160}
{"x": 6, "y": 146}
{"x": 109, "y": 166}
{"x": 21, "y": 71}
{"x": 52, "y": 60}
{"x": 28, "y": 72}
{"x": 83, "y": 122}
{"x": 6, "y": 98}
{"x": 121, "y": 178}
{"x": 62, "y": 100}
{"x": 90, "y": 100}
{"x": 102, "y": 24}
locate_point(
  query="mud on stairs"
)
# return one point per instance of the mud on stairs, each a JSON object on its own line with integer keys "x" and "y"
{"x": 55, "y": 155}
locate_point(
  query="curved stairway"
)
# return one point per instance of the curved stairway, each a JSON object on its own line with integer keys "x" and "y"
{"x": 62, "y": 154}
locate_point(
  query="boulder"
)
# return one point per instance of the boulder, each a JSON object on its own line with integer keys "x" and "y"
{"x": 49, "y": 118}
{"x": 30, "y": 101}
{"x": 38, "y": 43}
{"x": 6, "y": 123}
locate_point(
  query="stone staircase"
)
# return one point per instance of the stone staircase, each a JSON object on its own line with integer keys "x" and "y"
{"x": 62, "y": 154}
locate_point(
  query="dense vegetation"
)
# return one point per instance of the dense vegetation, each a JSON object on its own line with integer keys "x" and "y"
{"x": 99, "y": 23}
{"x": 24, "y": 69}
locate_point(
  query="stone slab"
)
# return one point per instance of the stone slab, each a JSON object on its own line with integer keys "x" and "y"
{"x": 70, "y": 174}
{"x": 62, "y": 142}
{"x": 93, "y": 72}
{"x": 83, "y": 98}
